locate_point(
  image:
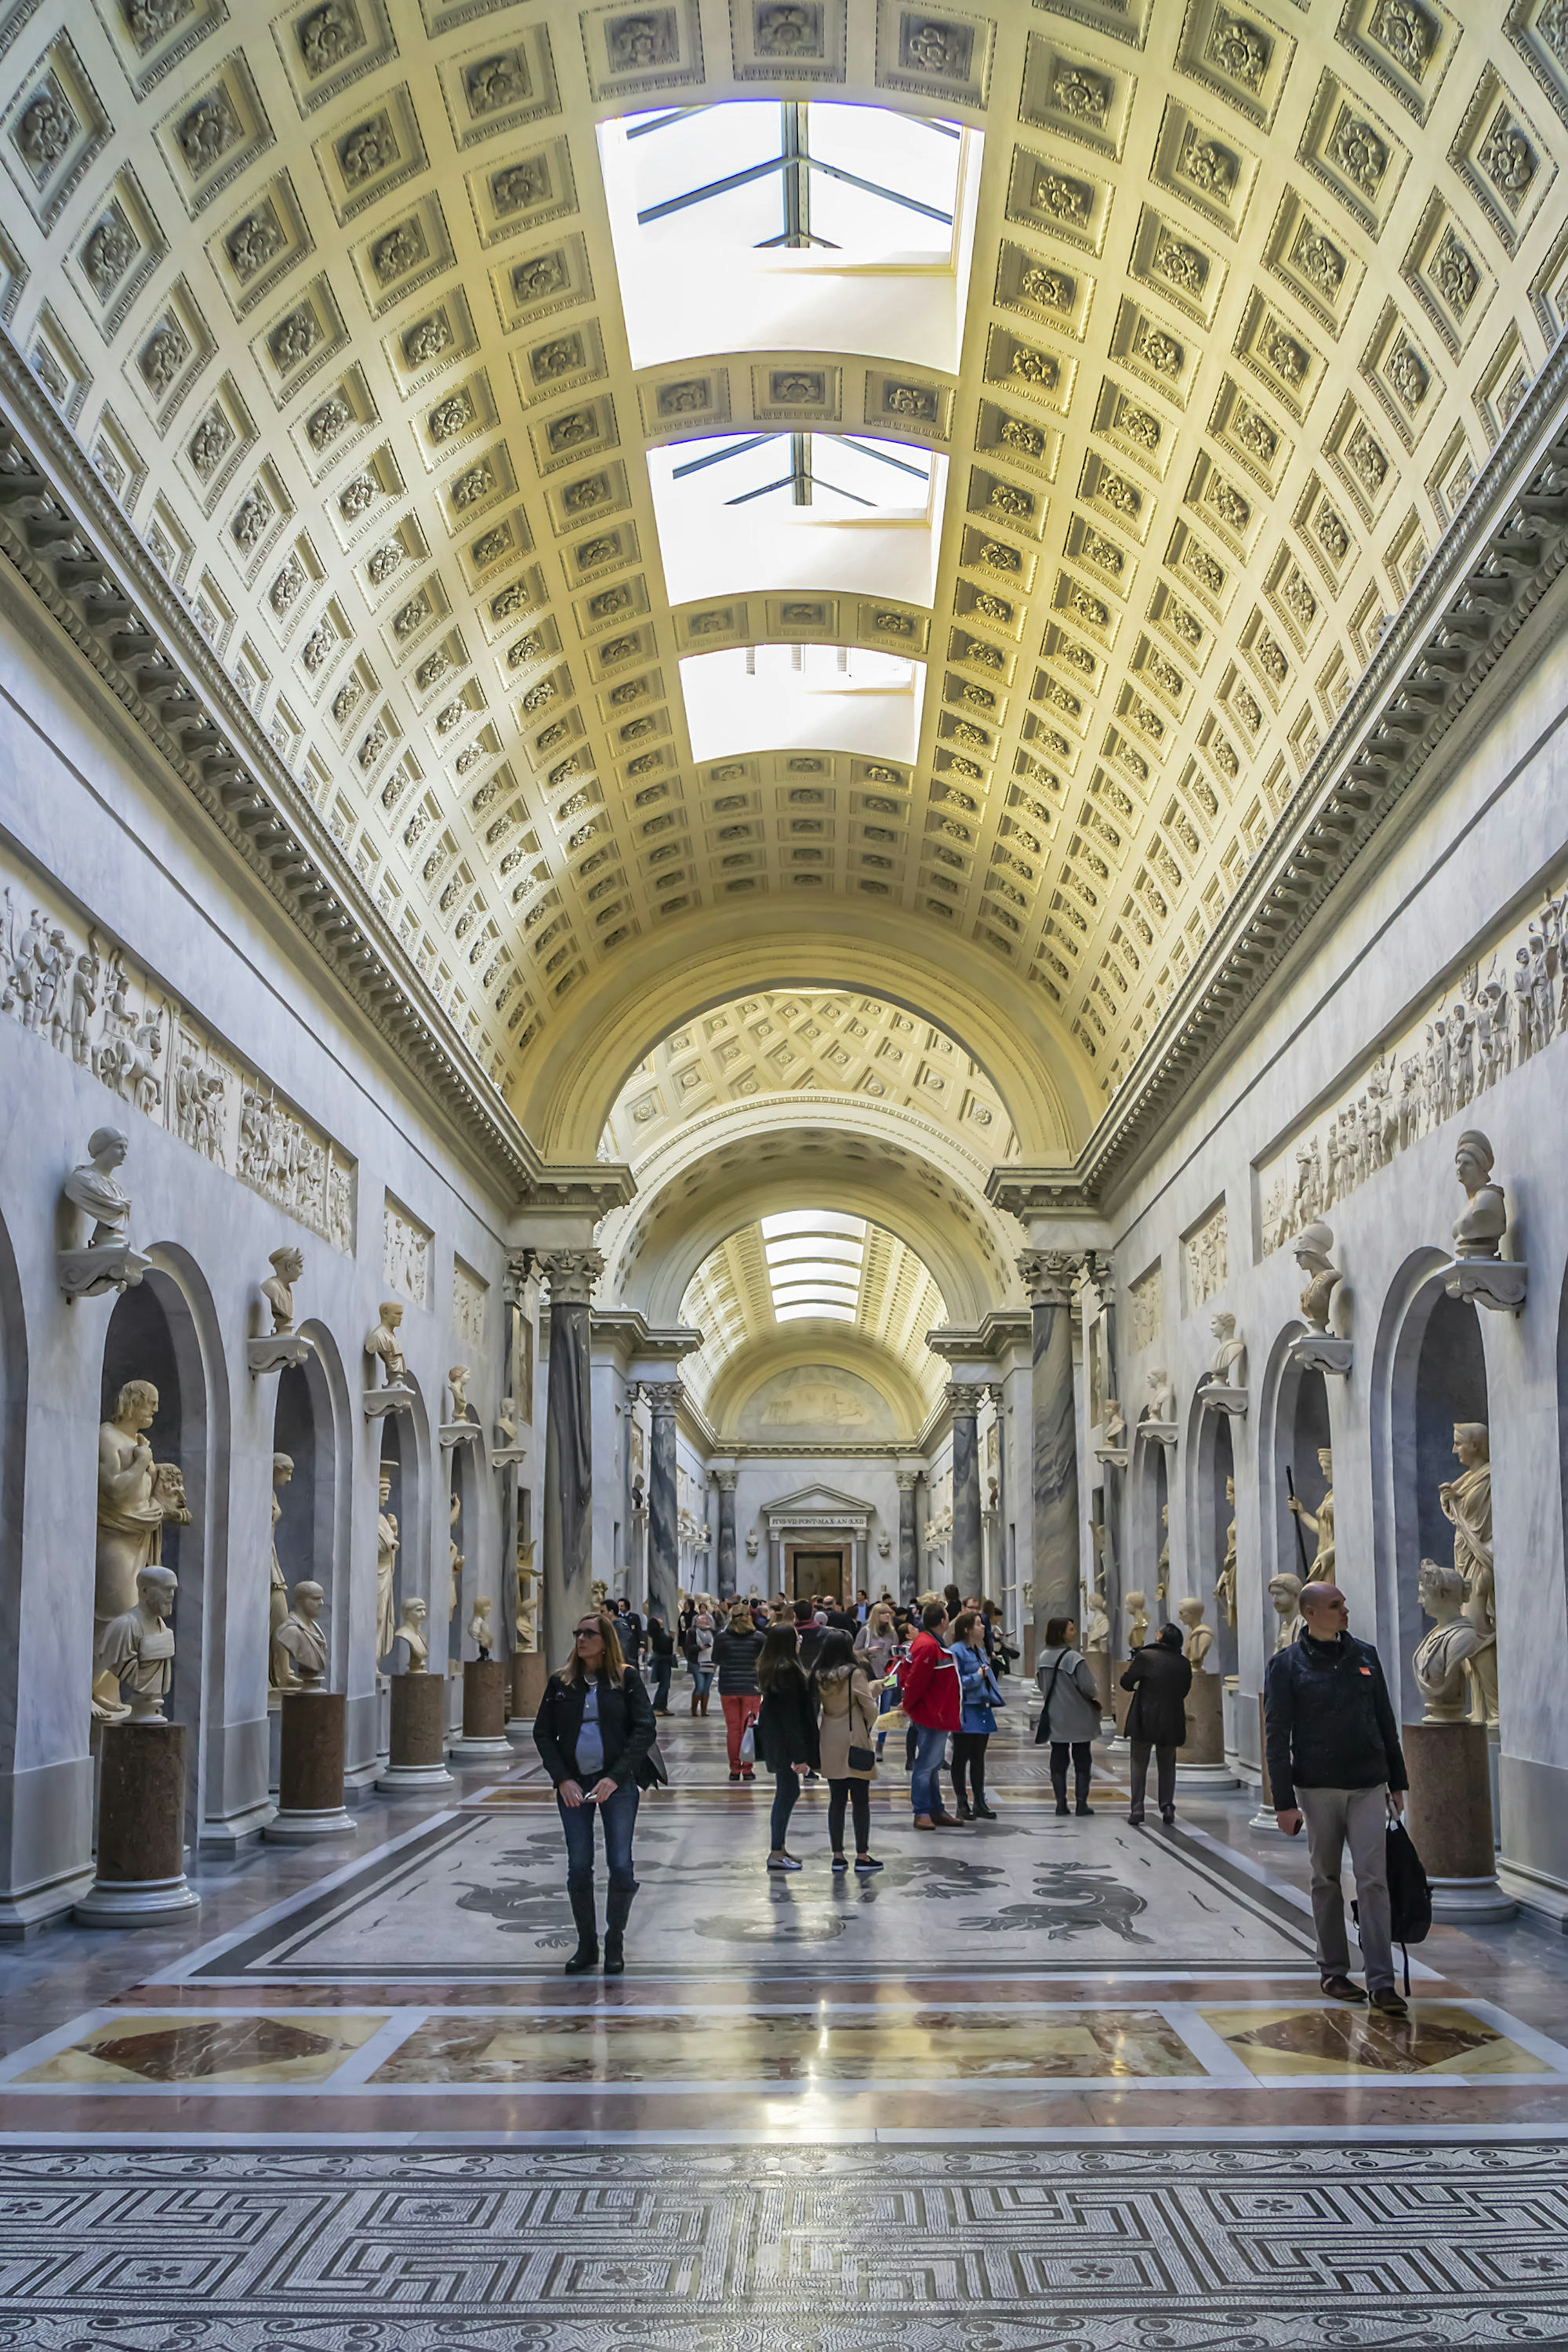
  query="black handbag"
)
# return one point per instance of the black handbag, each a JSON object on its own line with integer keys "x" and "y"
{"x": 862, "y": 1759}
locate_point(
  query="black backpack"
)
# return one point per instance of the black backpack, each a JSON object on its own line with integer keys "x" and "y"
{"x": 1409, "y": 1895}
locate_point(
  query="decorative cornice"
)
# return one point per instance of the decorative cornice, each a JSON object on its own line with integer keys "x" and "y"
{"x": 1021, "y": 1191}
{"x": 70, "y": 544}
{"x": 593, "y": 1191}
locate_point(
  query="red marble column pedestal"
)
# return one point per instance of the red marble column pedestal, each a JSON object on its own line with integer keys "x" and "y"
{"x": 530, "y": 1674}
{"x": 1448, "y": 1814}
{"x": 312, "y": 1724}
{"x": 141, "y": 1879}
{"x": 418, "y": 1745}
{"x": 484, "y": 1712}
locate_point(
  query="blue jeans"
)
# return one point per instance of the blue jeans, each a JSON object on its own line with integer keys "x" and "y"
{"x": 702, "y": 1679}
{"x": 925, "y": 1787}
{"x": 620, "y": 1813}
{"x": 662, "y": 1668}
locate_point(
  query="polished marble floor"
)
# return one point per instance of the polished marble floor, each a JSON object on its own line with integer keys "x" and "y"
{"x": 1040, "y": 2083}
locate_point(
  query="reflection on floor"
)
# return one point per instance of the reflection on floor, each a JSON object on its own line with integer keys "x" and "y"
{"x": 1042, "y": 2083}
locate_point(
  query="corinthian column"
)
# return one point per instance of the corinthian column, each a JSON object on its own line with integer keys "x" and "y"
{"x": 728, "y": 1482}
{"x": 663, "y": 1530}
{"x": 568, "y": 1445}
{"x": 1053, "y": 1469}
{"x": 966, "y": 1562}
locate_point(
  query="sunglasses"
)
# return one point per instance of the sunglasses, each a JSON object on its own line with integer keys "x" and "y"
{"x": 589, "y": 1633}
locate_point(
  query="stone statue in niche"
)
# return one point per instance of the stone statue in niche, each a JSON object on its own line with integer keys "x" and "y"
{"x": 1320, "y": 1523}
{"x": 481, "y": 1633}
{"x": 1310, "y": 1251}
{"x": 387, "y": 1543}
{"x": 454, "y": 1558}
{"x": 135, "y": 1494}
{"x": 135, "y": 1650}
{"x": 1162, "y": 1404}
{"x": 302, "y": 1637}
{"x": 527, "y": 1601}
{"x": 288, "y": 1264}
{"x": 1199, "y": 1638}
{"x": 1135, "y": 1609}
{"x": 1096, "y": 1622}
{"x": 1479, "y": 1230}
{"x": 1163, "y": 1570}
{"x": 1444, "y": 1660}
{"x": 409, "y": 1631}
{"x": 281, "y": 1674}
{"x": 458, "y": 1405}
{"x": 384, "y": 1344}
{"x": 1285, "y": 1591}
{"x": 1225, "y": 1591}
{"x": 1466, "y": 1502}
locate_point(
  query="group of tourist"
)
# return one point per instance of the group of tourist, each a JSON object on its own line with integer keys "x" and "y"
{"x": 810, "y": 1688}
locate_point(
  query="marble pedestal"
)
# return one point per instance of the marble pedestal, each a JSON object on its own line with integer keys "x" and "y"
{"x": 1263, "y": 1820}
{"x": 141, "y": 1879}
{"x": 529, "y": 1676}
{"x": 416, "y": 1757}
{"x": 1448, "y": 1814}
{"x": 484, "y": 1711}
{"x": 1200, "y": 1759}
{"x": 1100, "y": 1667}
{"x": 311, "y": 1725}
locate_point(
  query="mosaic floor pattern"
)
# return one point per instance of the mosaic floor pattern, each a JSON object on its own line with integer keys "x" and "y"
{"x": 787, "y": 2250}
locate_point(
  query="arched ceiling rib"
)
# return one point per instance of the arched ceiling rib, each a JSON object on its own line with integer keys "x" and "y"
{"x": 332, "y": 307}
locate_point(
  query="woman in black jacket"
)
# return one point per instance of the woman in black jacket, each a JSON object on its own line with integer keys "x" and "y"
{"x": 595, "y": 1733}
{"x": 786, "y": 1731}
{"x": 735, "y": 1654}
{"x": 1159, "y": 1678}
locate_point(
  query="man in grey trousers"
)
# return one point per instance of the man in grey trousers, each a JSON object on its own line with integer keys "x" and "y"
{"x": 1335, "y": 1761}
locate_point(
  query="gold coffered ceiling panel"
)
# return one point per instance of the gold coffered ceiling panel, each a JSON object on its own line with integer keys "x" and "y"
{"x": 332, "y": 302}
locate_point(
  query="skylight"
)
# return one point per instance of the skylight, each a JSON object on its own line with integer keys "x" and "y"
{"x": 851, "y": 180}
{"x": 815, "y": 1260}
{"x": 843, "y": 474}
{"x": 827, "y": 698}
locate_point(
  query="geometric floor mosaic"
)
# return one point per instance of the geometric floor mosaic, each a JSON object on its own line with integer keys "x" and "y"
{"x": 787, "y": 2250}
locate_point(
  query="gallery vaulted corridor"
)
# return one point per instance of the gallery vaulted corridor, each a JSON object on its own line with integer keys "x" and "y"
{"x": 783, "y": 1271}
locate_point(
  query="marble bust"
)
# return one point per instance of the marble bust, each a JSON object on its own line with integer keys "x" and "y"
{"x": 385, "y": 1345}
{"x": 1484, "y": 1220}
{"x": 1135, "y": 1609}
{"x": 288, "y": 1264}
{"x": 1229, "y": 1368}
{"x": 95, "y": 1189}
{"x": 302, "y": 1635}
{"x": 1310, "y": 1251}
{"x": 1114, "y": 1426}
{"x": 480, "y": 1633}
{"x": 1096, "y": 1623}
{"x": 138, "y": 1648}
{"x": 1444, "y": 1656}
{"x": 409, "y": 1632}
{"x": 1162, "y": 1404}
{"x": 1285, "y": 1591}
{"x": 1321, "y": 1522}
{"x": 458, "y": 1405}
{"x": 1199, "y": 1639}
{"x": 1466, "y": 1504}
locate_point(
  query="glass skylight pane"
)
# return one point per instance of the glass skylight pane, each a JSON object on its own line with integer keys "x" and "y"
{"x": 823, "y": 1245}
{"x": 812, "y": 1221}
{"x": 818, "y": 1277}
{"x": 671, "y": 159}
{"x": 830, "y": 1314}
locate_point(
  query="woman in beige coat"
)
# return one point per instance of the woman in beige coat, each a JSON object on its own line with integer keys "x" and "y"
{"x": 848, "y": 1708}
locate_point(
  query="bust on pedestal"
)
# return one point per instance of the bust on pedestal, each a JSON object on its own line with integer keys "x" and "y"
{"x": 311, "y": 1751}
{"x": 108, "y": 1262}
{"x": 1319, "y": 1349}
{"x": 1479, "y": 1271}
{"x": 140, "y": 1876}
{"x": 1224, "y": 1390}
{"x": 283, "y": 1345}
{"x": 385, "y": 1348}
{"x": 1285, "y": 1591}
{"x": 461, "y": 1426}
{"x": 417, "y": 1746}
{"x": 485, "y": 1681}
{"x": 1200, "y": 1759}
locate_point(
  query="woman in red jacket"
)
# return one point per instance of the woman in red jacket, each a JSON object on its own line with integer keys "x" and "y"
{"x": 933, "y": 1702}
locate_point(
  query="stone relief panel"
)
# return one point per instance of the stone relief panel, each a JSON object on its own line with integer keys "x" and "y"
{"x": 1145, "y": 1310}
{"x": 77, "y": 990}
{"x": 1506, "y": 1006}
{"x": 405, "y": 1253}
{"x": 816, "y": 1399}
{"x": 1205, "y": 1255}
{"x": 467, "y": 1304}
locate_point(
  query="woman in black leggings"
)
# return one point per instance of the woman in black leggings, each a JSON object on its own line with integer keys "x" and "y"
{"x": 1070, "y": 1716}
{"x": 842, "y": 1692}
{"x": 786, "y": 1731}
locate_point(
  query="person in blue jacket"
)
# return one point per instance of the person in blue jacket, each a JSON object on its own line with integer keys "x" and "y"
{"x": 982, "y": 1696}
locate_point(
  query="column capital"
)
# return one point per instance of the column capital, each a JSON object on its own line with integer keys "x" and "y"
{"x": 1048, "y": 1276}
{"x": 663, "y": 1396}
{"x": 521, "y": 1264}
{"x": 727, "y": 1480}
{"x": 907, "y": 1480}
{"x": 570, "y": 1274}
{"x": 962, "y": 1397}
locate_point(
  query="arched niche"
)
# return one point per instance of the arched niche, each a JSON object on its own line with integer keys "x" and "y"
{"x": 164, "y": 1331}
{"x": 464, "y": 1530}
{"x": 1429, "y": 1373}
{"x": 309, "y": 1423}
{"x": 1292, "y": 1422}
{"x": 1144, "y": 1534}
{"x": 1211, "y": 1462}
{"x": 397, "y": 1499}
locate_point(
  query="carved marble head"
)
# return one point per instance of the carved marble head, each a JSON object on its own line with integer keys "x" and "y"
{"x": 288, "y": 1263}
{"x": 391, "y": 1313}
{"x": 1223, "y": 1326}
{"x": 1472, "y": 1443}
{"x": 308, "y": 1600}
{"x": 1326, "y": 1461}
{"x": 384, "y": 1485}
{"x": 282, "y": 1469}
{"x": 1442, "y": 1589}
{"x": 156, "y": 1590}
{"x": 1284, "y": 1587}
{"x": 1473, "y": 1160}
{"x": 1312, "y": 1246}
{"x": 107, "y": 1148}
{"x": 137, "y": 1404}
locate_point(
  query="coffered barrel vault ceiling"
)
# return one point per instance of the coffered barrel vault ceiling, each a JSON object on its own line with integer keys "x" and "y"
{"x": 331, "y": 301}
